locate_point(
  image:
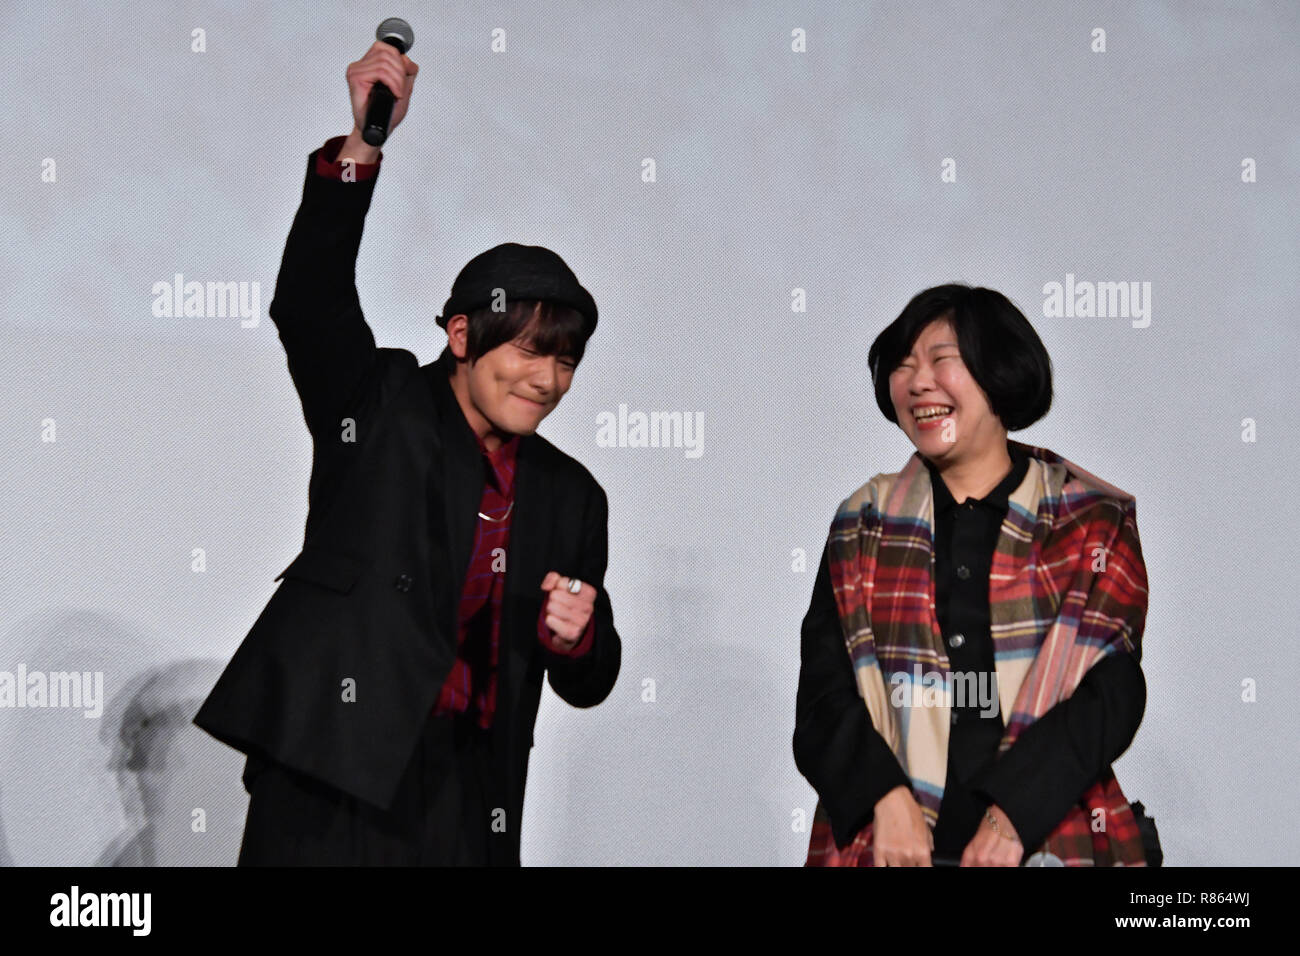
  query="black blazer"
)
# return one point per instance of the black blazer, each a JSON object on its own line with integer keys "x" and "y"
{"x": 372, "y": 600}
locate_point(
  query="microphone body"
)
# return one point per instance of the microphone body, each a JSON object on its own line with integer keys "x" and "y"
{"x": 379, "y": 108}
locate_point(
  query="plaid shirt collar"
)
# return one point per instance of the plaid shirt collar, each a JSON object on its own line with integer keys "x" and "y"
{"x": 501, "y": 463}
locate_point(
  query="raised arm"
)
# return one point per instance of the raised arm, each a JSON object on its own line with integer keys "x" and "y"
{"x": 329, "y": 346}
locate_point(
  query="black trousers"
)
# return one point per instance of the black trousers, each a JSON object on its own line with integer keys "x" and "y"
{"x": 443, "y": 813}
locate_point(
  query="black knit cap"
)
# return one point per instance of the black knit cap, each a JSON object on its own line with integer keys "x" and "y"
{"x": 524, "y": 272}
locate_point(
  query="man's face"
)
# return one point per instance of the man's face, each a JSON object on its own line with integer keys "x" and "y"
{"x": 513, "y": 387}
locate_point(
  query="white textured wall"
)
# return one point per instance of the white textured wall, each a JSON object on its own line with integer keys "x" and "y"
{"x": 775, "y": 170}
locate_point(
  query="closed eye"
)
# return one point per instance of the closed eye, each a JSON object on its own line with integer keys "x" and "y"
{"x": 531, "y": 353}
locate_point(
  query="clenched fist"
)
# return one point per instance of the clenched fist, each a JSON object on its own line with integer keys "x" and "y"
{"x": 567, "y": 614}
{"x": 382, "y": 63}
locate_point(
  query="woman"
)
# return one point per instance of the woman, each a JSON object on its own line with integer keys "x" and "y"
{"x": 970, "y": 658}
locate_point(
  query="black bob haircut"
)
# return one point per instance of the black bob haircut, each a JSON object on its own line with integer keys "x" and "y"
{"x": 546, "y": 327}
{"x": 1004, "y": 354}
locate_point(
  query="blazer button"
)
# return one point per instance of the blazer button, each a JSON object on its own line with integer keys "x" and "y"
{"x": 403, "y": 582}
{"x": 954, "y": 716}
{"x": 963, "y": 572}
{"x": 957, "y": 640}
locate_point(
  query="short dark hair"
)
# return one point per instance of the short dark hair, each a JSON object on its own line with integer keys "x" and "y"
{"x": 1004, "y": 354}
{"x": 553, "y": 329}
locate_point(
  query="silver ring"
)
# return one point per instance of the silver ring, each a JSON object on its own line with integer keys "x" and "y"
{"x": 575, "y": 586}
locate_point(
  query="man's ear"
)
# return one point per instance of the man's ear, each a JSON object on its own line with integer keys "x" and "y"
{"x": 458, "y": 335}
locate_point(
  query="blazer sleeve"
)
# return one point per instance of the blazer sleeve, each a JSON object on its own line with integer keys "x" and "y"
{"x": 1057, "y": 757}
{"x": 329, "y": 346}
{"x": 586, "y": 680}
{"x": 836, "y": 747}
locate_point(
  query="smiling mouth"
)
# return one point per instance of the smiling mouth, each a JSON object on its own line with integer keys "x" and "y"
{"x": 932, "y": 413}
{"x": 530, "y": 401}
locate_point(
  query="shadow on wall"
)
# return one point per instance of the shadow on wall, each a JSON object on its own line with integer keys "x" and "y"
{"x": 687, "y": 763}
{"x": 115, "y": 775}
{"x": 182, "y": 789}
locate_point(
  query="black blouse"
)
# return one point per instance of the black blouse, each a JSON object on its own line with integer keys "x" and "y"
{"x": 1044, "y": 772}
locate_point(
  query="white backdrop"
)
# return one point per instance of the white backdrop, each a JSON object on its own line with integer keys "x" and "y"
{"x": 1169, "y": 158}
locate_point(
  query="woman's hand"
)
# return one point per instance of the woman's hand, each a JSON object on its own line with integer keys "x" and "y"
{"x": 900, "y": 835}
{"x": 989, "y": 847}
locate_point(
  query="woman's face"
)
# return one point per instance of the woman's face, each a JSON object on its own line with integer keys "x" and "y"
{"x": 932, "y": 376}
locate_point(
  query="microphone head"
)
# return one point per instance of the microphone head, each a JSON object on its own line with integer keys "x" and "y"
{"x": 395, "y": 28}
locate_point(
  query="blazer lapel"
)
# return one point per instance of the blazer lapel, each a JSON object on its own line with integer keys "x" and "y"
{"x": 456, "y": 496}
{"x": 529, "y": 552}
{"x": 530, "y": 528}
{"x": 462, "y": 483}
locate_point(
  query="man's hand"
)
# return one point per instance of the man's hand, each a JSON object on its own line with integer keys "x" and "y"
{"x": 989, "y": 847}
{"x": 899, "y": 834}
{"x": 383, "y": 64}
{"x": 567, "y": 614}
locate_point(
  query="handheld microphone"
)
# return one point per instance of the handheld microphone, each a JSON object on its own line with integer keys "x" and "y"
{"x": 395, "y": 32}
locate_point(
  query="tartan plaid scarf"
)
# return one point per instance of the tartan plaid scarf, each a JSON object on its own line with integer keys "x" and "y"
{"x": 1067, "y": 586}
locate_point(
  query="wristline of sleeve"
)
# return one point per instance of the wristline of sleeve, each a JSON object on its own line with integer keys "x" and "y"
{"x": 327, "y": 164}
{"x": 335, "y": 194}
{"x": 850, "y": 813}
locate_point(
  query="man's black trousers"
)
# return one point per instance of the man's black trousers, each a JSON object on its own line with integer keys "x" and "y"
{"x": 441, "y": 816}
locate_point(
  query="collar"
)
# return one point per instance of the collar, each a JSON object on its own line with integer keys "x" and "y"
{"x": 501, "y": 463}
{"x": 998, "y": 498}
{"x": 455, "y": 426}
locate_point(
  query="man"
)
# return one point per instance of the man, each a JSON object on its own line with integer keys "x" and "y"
{"x": 386, "y": 696}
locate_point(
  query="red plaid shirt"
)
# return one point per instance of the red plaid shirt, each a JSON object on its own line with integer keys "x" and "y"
{"x": 473, "y": 677}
